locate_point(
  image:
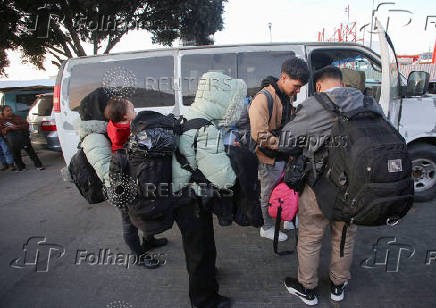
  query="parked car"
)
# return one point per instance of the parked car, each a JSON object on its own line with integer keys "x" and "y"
{"x": 165, "y": 80}
{"x": 42, "y": 123}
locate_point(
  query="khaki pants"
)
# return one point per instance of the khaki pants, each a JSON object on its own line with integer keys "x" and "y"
{"x": 312, "y": 225}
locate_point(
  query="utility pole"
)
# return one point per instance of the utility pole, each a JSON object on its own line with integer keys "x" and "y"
{"x": 270, "y": 32}
{"x": 372, "y": 20}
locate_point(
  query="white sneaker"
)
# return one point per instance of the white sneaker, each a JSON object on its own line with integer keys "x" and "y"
{"x": 269, "y": 233}
{"x": 288, "y": 225}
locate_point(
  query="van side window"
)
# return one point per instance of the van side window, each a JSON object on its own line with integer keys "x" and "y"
{"x": 194, "y": 66}
{"x": 253, "y": 67}
{"x": 146, "y": 82}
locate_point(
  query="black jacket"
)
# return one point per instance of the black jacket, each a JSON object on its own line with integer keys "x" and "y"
{"x": 246, "y": 198}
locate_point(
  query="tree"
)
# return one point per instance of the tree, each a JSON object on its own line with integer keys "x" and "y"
{"x": 61, "y": 28}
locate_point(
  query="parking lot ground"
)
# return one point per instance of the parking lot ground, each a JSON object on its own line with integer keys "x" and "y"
{"x": 44, "y": 218}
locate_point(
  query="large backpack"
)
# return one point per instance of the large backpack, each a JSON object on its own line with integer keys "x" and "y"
{"x": 141, "y": 174}
{"x": 367, "y": 181}
{"x": 85, "y": 178}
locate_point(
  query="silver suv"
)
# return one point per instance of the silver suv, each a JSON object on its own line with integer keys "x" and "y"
{"x": 42, "y": 124}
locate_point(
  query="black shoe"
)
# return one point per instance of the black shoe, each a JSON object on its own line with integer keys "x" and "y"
{"x": 12, "y": 167}
{"x": 308, "y": 296}
{"x": 218, "y": 302}
{"x": 150, "y": 262}
{"x": 153, "y": 242}
{"x": 147, "y": 261}
{"x": 5, "y": 167}
{"x": 337, "y": 294}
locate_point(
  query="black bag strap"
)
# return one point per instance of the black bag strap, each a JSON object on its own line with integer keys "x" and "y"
{"x": 123, "y": 159}
{"x": 276, "y": 235}
{"x": 343, "y": 238}
{"x": 196, "y": 123}
{"x": 196, "y": 175}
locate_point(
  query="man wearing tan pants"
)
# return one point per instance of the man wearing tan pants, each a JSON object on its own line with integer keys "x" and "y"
{"x": 314, "y": 123}
{"x": 312, "y": 226}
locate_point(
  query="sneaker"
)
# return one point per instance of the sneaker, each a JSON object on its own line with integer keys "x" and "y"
{"x": 337, "y": 291}
{"x": 308, "y": 296}
{"x": 269, "y": 233}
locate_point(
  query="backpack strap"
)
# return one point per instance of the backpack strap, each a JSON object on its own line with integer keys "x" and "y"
{"x": 123, "y": 159}
{"x": 196, "y": 175}
{"x": 277, "y": 232}
{"x": 270, "y": 102}
{"x": 196, "y": 123}
{"x": 343, "y": 238}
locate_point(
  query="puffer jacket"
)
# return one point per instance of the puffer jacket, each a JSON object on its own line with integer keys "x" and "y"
{"x": 97, "y": 147}
{"x": 219, "y": 99}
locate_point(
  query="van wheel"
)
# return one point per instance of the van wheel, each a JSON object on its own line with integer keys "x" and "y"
{"x": 423, "y": 158}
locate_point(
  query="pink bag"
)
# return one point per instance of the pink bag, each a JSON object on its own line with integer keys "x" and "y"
{"x": 285, "y": 197}
{"x": 283, "y": 205}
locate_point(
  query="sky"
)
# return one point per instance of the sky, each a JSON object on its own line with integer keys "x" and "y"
{"x": 246, "y": 21}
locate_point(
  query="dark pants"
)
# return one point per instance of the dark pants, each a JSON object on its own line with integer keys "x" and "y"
{"x": 18, "y": 140}
{"x": 130, "y": 233}
{"x": 196, "y": 227}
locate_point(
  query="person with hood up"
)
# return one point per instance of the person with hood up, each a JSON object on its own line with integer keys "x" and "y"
{"x": 312, "y": 121}
{"x": 219, "y": 99}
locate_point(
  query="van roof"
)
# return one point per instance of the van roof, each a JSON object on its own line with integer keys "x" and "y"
{"x": 232, "y": 45}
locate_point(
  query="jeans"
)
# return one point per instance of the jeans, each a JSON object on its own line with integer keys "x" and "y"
{"x": 196, "y": 226}
{"x": 5, "y": 155}
{"x": 269, "y": 175}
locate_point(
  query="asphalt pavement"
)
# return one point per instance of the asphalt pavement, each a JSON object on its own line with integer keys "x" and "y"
{"x": 58, "y": 251}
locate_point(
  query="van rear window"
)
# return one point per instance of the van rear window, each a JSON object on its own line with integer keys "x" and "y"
{"x": 146, "y": 82}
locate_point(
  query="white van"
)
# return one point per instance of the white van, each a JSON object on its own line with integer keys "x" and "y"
{"x": 165, "y": 80}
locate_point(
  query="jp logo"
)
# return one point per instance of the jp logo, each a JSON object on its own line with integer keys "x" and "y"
{"x": 37, "y": 254}
{"x": 387, "y": 252}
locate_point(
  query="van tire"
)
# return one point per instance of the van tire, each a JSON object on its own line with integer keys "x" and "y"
{"x": 423, "y": 157}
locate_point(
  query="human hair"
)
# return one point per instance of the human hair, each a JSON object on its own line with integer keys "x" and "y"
{"x": 296, "y": 68}
{"x": 327, "y": 72}
{"x": 116, "y": 109}
{"x": 3, "y": 107}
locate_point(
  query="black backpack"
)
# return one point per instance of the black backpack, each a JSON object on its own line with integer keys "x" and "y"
{"x": 85, "y": 178}
{"x": 368, "y": 180}
{"x": 141, "y": 174}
